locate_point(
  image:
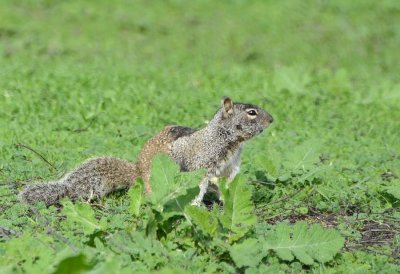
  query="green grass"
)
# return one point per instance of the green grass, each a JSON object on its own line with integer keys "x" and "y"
{"x": 83, "y": 79}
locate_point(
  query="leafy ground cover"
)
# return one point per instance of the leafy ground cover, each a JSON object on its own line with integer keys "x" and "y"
{"x": 319, "y": 190}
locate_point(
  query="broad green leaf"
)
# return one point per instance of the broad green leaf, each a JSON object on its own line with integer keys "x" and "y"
{"x": 303, "y": 156}
{"x": 111, "y": 264}
{"x": 176, "y": 206}
{"x": 238, "y": 215}
{"x": 168, "y": 182}
{"x": 135, "y": 195}
{"x": 82, "y": 215}
{"x": 306, "y": 243}
{"x": 266, "y": 269}
{"x": 203, "y": 219}
{"x": 75, "y": 265}
{"x": 247, "y": 253}
{"x": 152, "y": 222}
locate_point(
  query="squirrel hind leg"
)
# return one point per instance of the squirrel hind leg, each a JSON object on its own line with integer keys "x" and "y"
{"x": 49, "y": 193}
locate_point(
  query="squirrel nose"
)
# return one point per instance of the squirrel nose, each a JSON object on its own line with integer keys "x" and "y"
{"x": 270, "y": 118}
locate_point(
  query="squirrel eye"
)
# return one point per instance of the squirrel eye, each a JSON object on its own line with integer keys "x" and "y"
{"x": 252, "y": 112}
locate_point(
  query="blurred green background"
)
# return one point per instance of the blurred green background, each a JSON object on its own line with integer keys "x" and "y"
{"x": 86, "y": 78}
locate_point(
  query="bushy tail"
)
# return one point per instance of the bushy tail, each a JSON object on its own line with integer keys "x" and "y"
{"x": 49, "y": 193}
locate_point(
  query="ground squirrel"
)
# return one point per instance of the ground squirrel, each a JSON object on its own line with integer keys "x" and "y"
{"x": 216, "y": 148}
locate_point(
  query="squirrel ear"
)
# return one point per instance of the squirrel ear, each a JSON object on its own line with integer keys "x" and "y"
{"x": 227, "y": 106}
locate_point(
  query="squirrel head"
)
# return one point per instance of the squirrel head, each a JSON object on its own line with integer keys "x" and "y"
{"x": 242, "y": 121}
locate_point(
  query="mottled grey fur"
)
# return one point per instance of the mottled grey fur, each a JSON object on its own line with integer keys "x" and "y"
{"x": 216, "y": 147}
{"x": 92, "y": 180}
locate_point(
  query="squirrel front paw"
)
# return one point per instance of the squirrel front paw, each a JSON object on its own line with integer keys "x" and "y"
{"x": 196, "y": 202}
